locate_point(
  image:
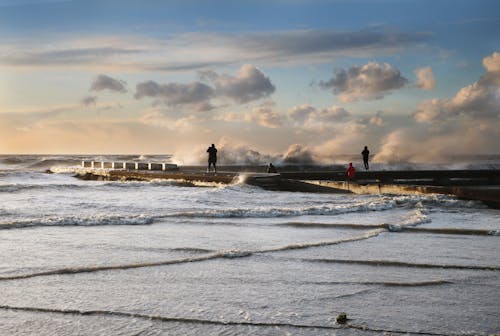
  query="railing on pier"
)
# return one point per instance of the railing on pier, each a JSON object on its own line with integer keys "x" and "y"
{"x": 129, "y": 165}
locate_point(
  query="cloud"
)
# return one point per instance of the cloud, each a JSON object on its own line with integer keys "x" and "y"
{"x": 492, "y": 63}
{"x": 377, "y": 119}
{"x": 368, "y": 82}
{"x": 425, "y": 78}
{"x": 309, "y": 117}
{"x": 172, "y": 94}
{"x": 264, "y": 116}
{"x": 300, "y": 114}
{"x": 103, "y": 82}
{"x": 478, "y": 100}
{"x": 201, "y": 50}
{"x": 250, "y": 84}
{"x": 161, "y": 118}
{"x": 89, "y": 101}
{"x": 63, "y": 56}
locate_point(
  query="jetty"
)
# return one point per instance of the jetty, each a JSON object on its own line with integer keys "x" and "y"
{"x": 482, "y": 185}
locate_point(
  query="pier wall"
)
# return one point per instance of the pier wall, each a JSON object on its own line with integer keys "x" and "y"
{"x": 122, "y": 165}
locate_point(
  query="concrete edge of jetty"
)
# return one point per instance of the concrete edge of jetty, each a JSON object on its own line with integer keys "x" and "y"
{"x": 480, "y": 185}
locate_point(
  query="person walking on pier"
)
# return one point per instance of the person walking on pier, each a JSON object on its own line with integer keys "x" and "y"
{"x": 212, "y": 157}
{"x": 366, "y": 154}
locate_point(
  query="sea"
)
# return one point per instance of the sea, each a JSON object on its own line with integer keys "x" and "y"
{"x": 168, "y": 258}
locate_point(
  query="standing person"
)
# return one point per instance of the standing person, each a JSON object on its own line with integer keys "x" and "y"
{"x": 366, "y": 154}
{"x": 351, "y": 171}
{"x": 271, "y": 169}
{"x": 212, "y": 157}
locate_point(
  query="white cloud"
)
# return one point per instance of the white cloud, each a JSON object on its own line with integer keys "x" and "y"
{"x": 162, "y": 118}
{"x": 425, "y": 78}
{"x": 478, "y": 100}
{"x": 310, "y": 118}
{"x": 367, "y": 82}
{"x": 264, "y": 116}
{"x": 492, "y": 63}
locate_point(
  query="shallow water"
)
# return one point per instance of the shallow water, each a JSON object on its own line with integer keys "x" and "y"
{"x": 137, "y": 258}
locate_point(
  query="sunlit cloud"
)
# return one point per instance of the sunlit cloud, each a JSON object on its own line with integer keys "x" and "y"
{"x": 479, "y": 100}
{"x": 310, "y": 118}
{"x": 425, "y": 78}
{"x": 249, "y": 84}
{"x": 368, "y": 82}
{"x": 377, "y": 119}
{"x": 264, "y": 116}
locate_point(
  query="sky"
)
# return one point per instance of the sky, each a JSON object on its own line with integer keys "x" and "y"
{"x": 283, "y": 80}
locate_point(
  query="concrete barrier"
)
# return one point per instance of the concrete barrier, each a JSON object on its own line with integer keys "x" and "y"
{"x": 142, "y": 166}
{"x": 128, "y": 165}
{"x": 107, "y": 164}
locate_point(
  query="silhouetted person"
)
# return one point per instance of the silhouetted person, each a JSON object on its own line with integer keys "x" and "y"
{"x": 366, "y": 154}
{"x": 271, "y": 169}
{"x": 212, "y": 157}
{"x": 351, "y": 172}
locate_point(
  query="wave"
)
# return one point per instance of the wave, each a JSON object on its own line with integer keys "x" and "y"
{"x": 164, "y": 318}
{"x": 334, "y": 225}
{"x": 223, "y": 323}
{"x": 224, "y": 254}
{"x": 367, "y": 235}
{"x": 390, "y": 263}
{"x": 333, "y": 209}
{"x": 80, "y": 221}
{"x": 388, "y": 283}
{"x": 15, "y": 187}
{"x": 393, "y": 228}
{"x": 91, "y": 269}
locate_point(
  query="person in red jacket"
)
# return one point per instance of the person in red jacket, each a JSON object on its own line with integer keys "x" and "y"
{"x": 351, "y": 171}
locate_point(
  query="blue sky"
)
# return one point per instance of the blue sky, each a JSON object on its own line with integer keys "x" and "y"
{"x": 284, "y": 79}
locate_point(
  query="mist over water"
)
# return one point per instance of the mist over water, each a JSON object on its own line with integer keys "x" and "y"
{"x": 128, "y": 258}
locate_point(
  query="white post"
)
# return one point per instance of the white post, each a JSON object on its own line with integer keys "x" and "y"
{"x": 136, "y": 165}
{"x": 102, "y": 164}
{"x": 92, "y": 164}
{"x": 163, "y": 166}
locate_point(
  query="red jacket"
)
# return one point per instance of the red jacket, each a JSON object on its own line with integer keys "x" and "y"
{"x": 351, "y": 171}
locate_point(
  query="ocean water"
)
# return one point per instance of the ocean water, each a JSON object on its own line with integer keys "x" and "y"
{"x": 162, "y": 258}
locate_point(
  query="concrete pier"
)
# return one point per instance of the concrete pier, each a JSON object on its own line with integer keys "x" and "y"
{"x": 482, "y": 185}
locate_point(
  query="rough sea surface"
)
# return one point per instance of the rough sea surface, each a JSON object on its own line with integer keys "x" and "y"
{"x": 163, "y": 258}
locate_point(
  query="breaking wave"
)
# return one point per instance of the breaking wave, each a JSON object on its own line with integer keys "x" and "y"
{"x": 333, "y": 209}
{"x": 80, "y": 221}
